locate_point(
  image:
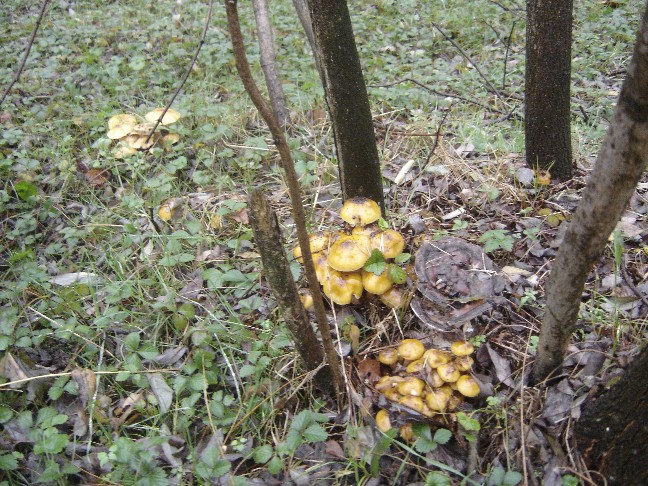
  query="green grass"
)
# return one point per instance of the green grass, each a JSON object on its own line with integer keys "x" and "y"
{"x": 190, "y": 360}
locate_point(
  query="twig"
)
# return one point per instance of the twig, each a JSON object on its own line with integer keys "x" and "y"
{"x": 629, "y": 282}
{"x": 27, "y": 51}
{"x": 469, "y": 59}
{"x": 438, "y": 93}
{"x": 506, "y": 53}
{"x": 294, "y": 191}
{"x": 437, "y": 135}
{"x": 268, "y": 62}
{"x": 186, "y": 76}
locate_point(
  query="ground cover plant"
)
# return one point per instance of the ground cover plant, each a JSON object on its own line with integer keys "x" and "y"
{"x": 140, "y": 342}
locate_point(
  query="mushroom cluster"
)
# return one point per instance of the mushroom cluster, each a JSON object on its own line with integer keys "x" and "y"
{"x": 428, "y": 381}
{"x": 133, "y": 135}
{"x": 359, "y": 258}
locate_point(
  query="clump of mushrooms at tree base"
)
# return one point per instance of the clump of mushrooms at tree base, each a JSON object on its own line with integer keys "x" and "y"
{"x": 363, "y": 257}
{"x": 432, "y": 382}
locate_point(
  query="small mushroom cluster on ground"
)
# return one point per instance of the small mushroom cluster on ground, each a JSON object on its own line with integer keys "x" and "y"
{"x": 429, "y": 381}
{"x": 133, "y": 134}
{"x": 341, "y": 257}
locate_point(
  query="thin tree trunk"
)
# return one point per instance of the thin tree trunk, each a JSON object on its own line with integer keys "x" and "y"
{"x": 620, "y": 163}
{"x": 547, "y": 85}
{"x": 301, "y": 8}
{"x": 268, "y": 60}
{"x": 267, "y": 236}
{"x": 347, "y": 100}
{"x": 612, "y": 431}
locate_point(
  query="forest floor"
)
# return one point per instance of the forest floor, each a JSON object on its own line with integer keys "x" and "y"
{"x": 140, "y": 341}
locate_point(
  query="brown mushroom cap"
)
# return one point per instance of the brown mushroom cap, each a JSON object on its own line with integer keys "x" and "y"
{"x": 348, "y": 253}
{"x": 437, "y": 399}
{"x": 464, "y": 363}
{"x": 436, "y": 357}
{"x": 360, "y": 211}
{"x": 411, "y": 349}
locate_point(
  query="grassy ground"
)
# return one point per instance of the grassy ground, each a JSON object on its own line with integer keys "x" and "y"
{"x": 167, "y": 362}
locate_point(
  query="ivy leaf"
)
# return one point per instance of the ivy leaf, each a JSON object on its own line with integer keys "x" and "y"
{"x": 375, "y": 263}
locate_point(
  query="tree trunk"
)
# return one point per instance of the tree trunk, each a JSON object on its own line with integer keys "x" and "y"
{"x": 620, "y": 163}
{"x": 612, "y": 431}
{"x": 547, "y": 83}
{"x": 347, "y": 100}
{"x": 267, "y": 236}
{"x": 268, "y": 61}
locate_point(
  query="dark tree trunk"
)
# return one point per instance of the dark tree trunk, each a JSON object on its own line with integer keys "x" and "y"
{"x": 620, "y": 163}
{"x": 347, "y": 100}
{"x": 612, "y": 431}
{"x": 267, "y": 236}
{"x": 547, "y": 84}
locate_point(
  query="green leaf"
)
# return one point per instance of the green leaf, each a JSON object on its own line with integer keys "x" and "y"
{"x": 468, "y": 423}
{"x": 263, "y": 454}
{"x": 131, "y": 341}
{"x": 511, "y": 478}
{"x": 402, "y": 257}
{"x": 52, "y": 443}
{"x": 25, "y": 190}
{"x": 5, "y": 414}
{"x": 246, "y": 370}
{"x": 382, "y": 224}
{"x": 424, "y": 442}
{"x": 396, "y": 274}
{"x": 315, "y": 433}
{"x": 275, "y": 466}
{"x": 375, "y": 263}
{"x": 8, "y": 462}
{"x": 437, "y": 478}
{"x": 442, "y": 436}
{"x": 302, "y": 420}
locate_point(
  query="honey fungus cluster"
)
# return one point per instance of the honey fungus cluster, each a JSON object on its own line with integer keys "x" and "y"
{"x": 340, "y": 257}
{"x": 428, "y": 381}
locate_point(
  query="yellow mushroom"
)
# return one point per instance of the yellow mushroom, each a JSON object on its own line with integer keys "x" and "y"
{"x": 411, "y": 349}
{"x": 360, "y": 211}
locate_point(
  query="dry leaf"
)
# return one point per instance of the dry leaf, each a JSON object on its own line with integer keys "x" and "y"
{"x": 86, "y": 381}
{"x": 97, "y": 177}
{"x": 161, "y": 390}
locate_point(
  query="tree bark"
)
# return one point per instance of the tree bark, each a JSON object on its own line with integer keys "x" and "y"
{"x": 612, "y": 431}
{"x": 267, "y": 236}
{"x": 347, "y": 100}
{"x": 268, "y": 60}
{"x": 547, "y": 86}
{"x": 619, "y": 166}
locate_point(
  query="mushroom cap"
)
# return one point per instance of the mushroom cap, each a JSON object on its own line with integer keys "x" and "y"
{"x": 406, "y": 432}
{"x": 382, "y": 420}
{"x": 468, "y": 386}
{"x": 360, "y": 211}
{"x": 463, "y": 363}
{"x": 322, "y": 268}
{"x": 393, "y": 298}
{"x": 120, "y": 125}
{"x": 376, "y": 284}
{"x": 448, "y": 372}
{"x": 436, "y": 357}
{"x": 434, "y": 379}
{"x": 437, "y": 399}
{"x": 306, "y": 299}
{"x": 388, "y": 356}
{"x": 415, "y": 366}
{"x": 341, "y": 287}
{"x": 319, "y": 241}
{"x": 387, "y": 383}
{"x": 411, "y": 349}
{"x": 411, "y": 386}
{"x": 171, "y": 116}
{"x": 462, "y": 348}
{"x": 390, "y": 243}
{"x": 413, "y": 402}
{"x": 349, "y": 253}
